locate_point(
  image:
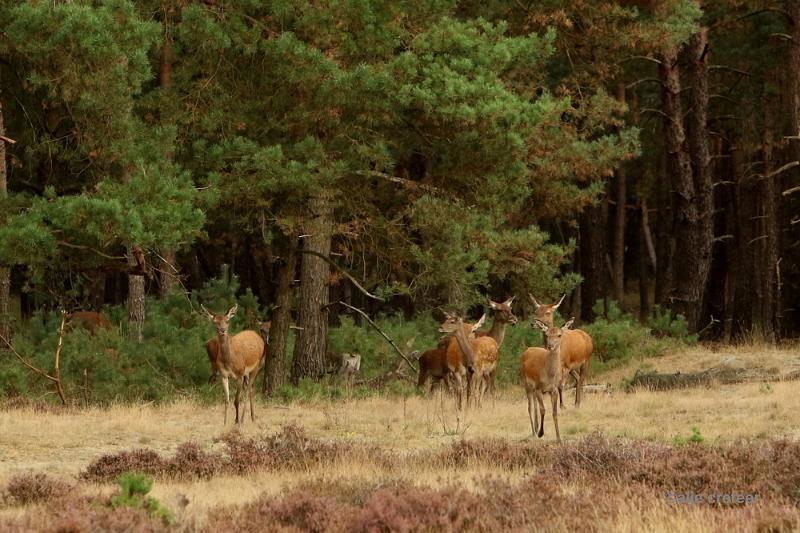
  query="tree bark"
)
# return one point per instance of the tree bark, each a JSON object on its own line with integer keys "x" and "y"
{"x": 767, "y": 243}
{"x": 5, "y": 272}
{"x": 168, "y": 264}
{"x": 275, "y": 367}
{"x": 618, "y": 257}
{"x": 699, "y": 148}
{"x": 592, "y": 259}
{"x": 311, "y": 344}
{"x": 665, "y": 240}
{"x": 692, "y": 209}
{"x": 136, "y": 296}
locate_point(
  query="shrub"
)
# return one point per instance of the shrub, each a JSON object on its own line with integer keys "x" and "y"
{"x": 133, "y": 493}
{"x": 28, "y": 488}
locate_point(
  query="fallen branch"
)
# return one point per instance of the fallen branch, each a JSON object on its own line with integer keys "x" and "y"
{"x": 344, "y": 272}
{"x": 385, "y": 336}
{"x": 725, "y": 375}
{"x": 55, "y": 379}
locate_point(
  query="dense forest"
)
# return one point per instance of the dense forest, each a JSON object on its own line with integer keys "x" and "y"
{"x": 402, "y": 157}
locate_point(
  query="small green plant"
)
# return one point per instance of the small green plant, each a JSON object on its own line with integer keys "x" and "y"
{"x": 696, "y": 437}
{"x": 663, "y": 324}
{"x": 133, "y": 493}
{"x": 765, "y": 388}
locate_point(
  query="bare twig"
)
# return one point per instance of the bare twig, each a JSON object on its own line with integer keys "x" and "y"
{"x": 385, "y": 336}
{"x": 343, "y": 271}
{"x": 60, "y": 343}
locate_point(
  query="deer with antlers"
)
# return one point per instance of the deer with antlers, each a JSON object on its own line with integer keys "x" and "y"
{"x": 240, "y": 356}
{"x": 542, "y": 371}
{"x": 576, "y": 348}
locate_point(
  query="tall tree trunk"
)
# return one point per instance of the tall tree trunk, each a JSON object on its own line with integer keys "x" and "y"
{"x": 646, "y": 254}
{"x": 5, "y": 272}
{"x": 767, "y": 243}
{"x": 790, "y": 205}
{"x": 618, "y": 258}
{"x": 592, "y": 259}
{"x": 665, "y": 240}
{"x": 168, "y": 264}
{"x": 699, "y": 148}
{"x": 692, "y": 210}
{"x": 311, "y": 344}
{"x": 275, "y": 368}
{"x": 136, "y": 295}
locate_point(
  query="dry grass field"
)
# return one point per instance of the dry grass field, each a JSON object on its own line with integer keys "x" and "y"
{"x": 367, "y": 445}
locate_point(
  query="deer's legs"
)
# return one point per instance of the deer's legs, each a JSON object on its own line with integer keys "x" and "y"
{"x": 555, "y": 415}
{"x": 249, "y": 381}
{"x": 533, "y": 409}
{"x": 540, "y": 400}
{"x": 227, "y": 397}
{"x": 239, "y": 385}
{"x": 579, "y": 382}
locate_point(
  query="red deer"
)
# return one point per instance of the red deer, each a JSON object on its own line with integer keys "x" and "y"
{"x": 433, "y": 363}
{"x": 91, "y": 321}
{"x": 541, "y": 371}
{"x": 239, "y": 357}
{"x": 212, "y": 349}
{"x": 503, "y": 315}
{"x": 576, "y": 348}
{"x": 467, "y": 354}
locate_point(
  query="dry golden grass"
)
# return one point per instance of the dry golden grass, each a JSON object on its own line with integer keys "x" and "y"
{"x": 64, "y": 443}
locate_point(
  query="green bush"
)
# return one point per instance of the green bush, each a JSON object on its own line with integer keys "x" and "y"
{"x": 133, "y": 493}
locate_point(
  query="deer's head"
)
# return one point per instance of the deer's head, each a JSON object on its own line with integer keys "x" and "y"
{"x": 452, "y": 323}
{"x": 552, "y": 334}
{"x": 221, "y": 322}
{"x": 503, "y": 312}
{"x": 545, "y": 312}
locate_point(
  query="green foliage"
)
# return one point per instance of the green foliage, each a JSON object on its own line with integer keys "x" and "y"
{"x": 695, "y": 437}
{"x": 133, "y": 493}
{"x": 619, "y": 336}
{"x": 663, "y": 324}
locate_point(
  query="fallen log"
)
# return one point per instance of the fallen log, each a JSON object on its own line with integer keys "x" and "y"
{"x": 723, "y": 375}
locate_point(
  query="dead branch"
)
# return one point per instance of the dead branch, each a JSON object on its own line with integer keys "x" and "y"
{"x": 343, "y": 271}
{"x": 385, "y": 336}
{"x": 55, "y": 379}
{"x": 787, "y": 192}
{"x": 410, "y": 184}
{"x": 60, "y": 343}
{"x": 8, "y": 140}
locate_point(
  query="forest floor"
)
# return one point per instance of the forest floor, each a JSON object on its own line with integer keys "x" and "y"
{"x": 63, "y": 443}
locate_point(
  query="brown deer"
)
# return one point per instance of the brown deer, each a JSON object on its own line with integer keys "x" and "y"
{"x": 212, "y": 349}
{"x": 576, "y": 348}
{"x": 469, "y": 359}
{"x": 433, "y": 363}
{"x": 503, "y": 315}
{"x": 541, "y": 371}
{"x": 239, "y": 357}
{"x": 91, "y": 321}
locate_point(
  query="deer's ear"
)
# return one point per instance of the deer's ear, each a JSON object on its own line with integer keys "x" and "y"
{"x": 568, "y": 324}
{"x": 537, "y": 304}
{"x": 508, "y": 302}
{"x": 232, "y": 311}
{"x": 541, "y": 325}
{"x": 493, "y": 305}
{"x": 479, "y": 323}
{"x": 208, "y": 313}
{"x": 559, "y": 302}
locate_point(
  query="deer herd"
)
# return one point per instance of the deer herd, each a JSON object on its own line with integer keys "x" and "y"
{"x": 465, "y": 359}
